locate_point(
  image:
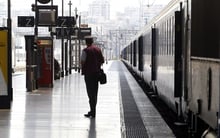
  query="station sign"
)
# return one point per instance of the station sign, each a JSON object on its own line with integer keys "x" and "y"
{"x": 66, "y": 21}
{"x": 65, "y": 32}
{"x": 84, "y": 32}
{"x": 25, "y": 21}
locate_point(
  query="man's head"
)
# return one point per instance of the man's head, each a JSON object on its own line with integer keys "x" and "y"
{"x": 89, "y": 41}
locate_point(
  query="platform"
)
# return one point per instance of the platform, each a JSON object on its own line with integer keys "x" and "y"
{"x": 123, "y": 110}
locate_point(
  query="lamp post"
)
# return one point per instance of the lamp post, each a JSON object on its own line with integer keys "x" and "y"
{"x": 62, "y": 46}
{"x": 10, "y": 90}
{"x": 70, "y": 46}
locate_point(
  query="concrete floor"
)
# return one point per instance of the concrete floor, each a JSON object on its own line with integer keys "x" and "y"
{"x": 58, "y": 112}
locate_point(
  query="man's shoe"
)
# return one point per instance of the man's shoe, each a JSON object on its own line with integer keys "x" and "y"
{"x": 89, "y": 114}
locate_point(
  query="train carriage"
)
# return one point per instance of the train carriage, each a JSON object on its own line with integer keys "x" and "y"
{"x": 178, "y": 55}
{"x": 204, "y": 73}
{"x": 168, "y": 55}
{"x": 147, "y": 58}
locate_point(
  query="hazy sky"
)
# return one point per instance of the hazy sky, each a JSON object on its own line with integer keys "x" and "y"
{"x": 116, "y": 5}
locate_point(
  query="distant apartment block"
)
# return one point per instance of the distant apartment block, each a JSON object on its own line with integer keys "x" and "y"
{"x": 3, "y": 15}
{"x": 99, "y": 9}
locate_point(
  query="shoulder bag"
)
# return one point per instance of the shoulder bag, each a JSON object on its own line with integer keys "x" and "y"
{"x": 102, "y": 77}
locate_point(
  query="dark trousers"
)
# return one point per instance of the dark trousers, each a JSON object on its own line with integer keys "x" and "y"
{"x": 92, "y": 91}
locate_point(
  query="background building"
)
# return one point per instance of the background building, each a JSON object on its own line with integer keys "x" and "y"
{"x": 112, "y": 30}
{"x": 3, "y": 14}
{"x": 99, "y": 10}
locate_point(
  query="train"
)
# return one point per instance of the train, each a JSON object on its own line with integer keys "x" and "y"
{"x": 177, "y": 54}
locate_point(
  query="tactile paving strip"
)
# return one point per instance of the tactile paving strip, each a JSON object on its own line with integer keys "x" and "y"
{"x": 134, "y": 126}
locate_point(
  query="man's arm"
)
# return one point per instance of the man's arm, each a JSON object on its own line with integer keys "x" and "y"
{"x": 83, "y": 58}
{"x": 102, "y": 60}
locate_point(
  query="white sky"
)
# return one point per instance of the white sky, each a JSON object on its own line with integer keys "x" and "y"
{"x": 119, "y": 5}
{"x": 82, "y": 5}
{"x": 116, "y": 5}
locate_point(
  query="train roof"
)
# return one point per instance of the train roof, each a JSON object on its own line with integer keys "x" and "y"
{"x": 172, "y": 5}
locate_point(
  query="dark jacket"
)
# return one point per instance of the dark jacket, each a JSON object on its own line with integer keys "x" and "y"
{"x": 94, "y": 60}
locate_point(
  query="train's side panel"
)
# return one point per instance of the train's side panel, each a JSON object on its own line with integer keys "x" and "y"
{"x": 205, "y": 46}
{"x": 135, "y": 55}
{"x": 129, "y": 54}
{"x": 185, "y": 65}
{"x": 147, "y": 40}
{"x": 165, "y": 67}
{"x": 124, "y": 54}
{"x": 165, "y": 43}
{"x": 205, "y": 90}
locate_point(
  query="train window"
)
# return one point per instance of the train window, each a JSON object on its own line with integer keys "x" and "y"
{"x": 150, "y": 43}
{"x": 167, "y": 36}
{"x": 164, "y": 39}
{"x": 173, "y": 35}
{"x": 170, "y": 35}
{"x": 160, "y": 38}
{"x": 165, "y": 48}
{"x": 131, "y": 53}
{"x": 168, "y": 46}
{"x": 205, "y": 28}
{"x": 127, "y": 53}
{"x": 157, "y": 39}
{"x": 145, "y": 44}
